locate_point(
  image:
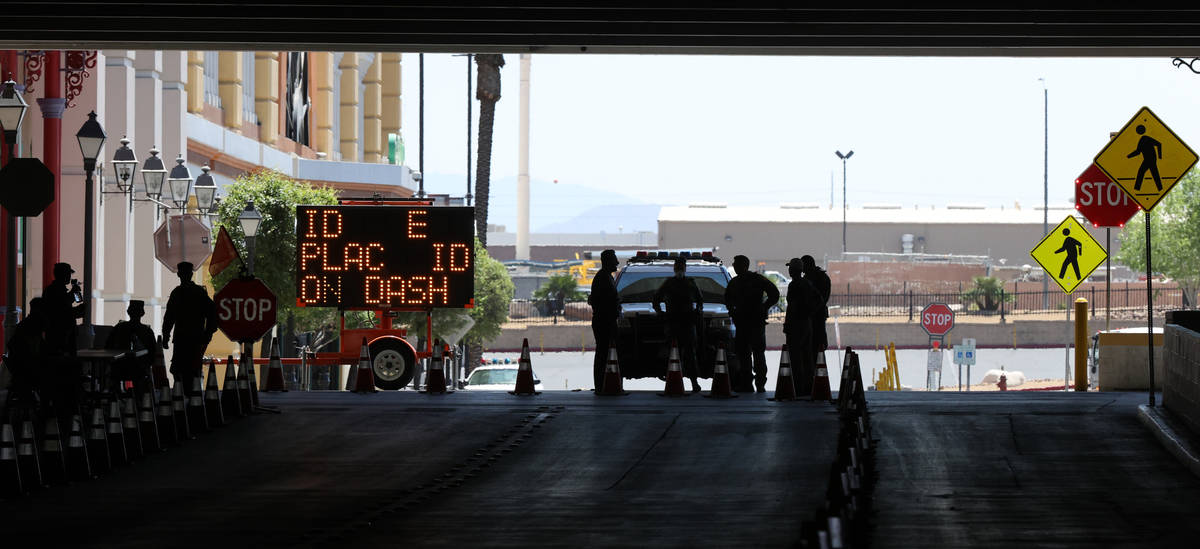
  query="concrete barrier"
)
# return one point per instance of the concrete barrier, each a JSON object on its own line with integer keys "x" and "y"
{"x": 1181, "y": 388}
{"x": 1123, "y": 360}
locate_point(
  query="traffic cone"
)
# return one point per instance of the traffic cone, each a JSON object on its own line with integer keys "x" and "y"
{"x": 251, "y": 381}
{"x": 274, "y": 381}
{"x": 785, "y": 385}
{"x": 721, "y": 386}
{"x": 167, "y": 433}
{"x": 525, "y": 385}
{"x": 435, "y": 379}
{"x": 77, "y": 455}
{"x": 612, "y": 384}
{"x": 364, "y": 379}
{"x": 132, "y": 434}
{"x": 97, "y": 442}
{"x": 54, "y": 466}
{"x": 197, "y": 417}
{"x": 212, "y": 398}
{"x": 10, "y": 469}
{"x": 27, "y": 457}
{"x": 147, "y": 424}
{"x": 821, "y": 379}
{"x": 674, "y": 374}
{"x": 158, "y": 373}
{"x": 116, "y": 435}
{"x": 179, "y": 409}
{"x": 243, "y": 386}
{"x": 231, "y": 397}
{"x": 352, "y": 371}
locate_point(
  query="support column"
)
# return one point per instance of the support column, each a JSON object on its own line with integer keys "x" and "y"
{"x": 390, "y": 120}
{"x": 349, "y": 114}
{"x": 522, "y": 247}
{"x": 229, "y": 81}
{"x": 174, "y": 141}
{"x": 52, "y": 106}
{"x": 145, "y": 274}
{"x": 374, "y": 148}
{"x": 195, "y": 81}
{"x": 322, "y": 75}
{"x": 113, "y": 250}
{"x": 266, "y": 95}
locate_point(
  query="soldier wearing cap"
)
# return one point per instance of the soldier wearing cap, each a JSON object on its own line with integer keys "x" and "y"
{"x": 137, "y": 341}
{"x": 685, "y": 306}
{"x": 803, "y": 301}
{"x": 749, "y": 297}
{"x": 192, "y": 315}
{"x": 63, "y": 300}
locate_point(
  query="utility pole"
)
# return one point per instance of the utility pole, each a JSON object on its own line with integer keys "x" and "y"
{"x": 844, "y": 158}
{"x": 1045, "y": 183}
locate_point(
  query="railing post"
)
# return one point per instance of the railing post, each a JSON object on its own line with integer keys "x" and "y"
{"x": 910, "y": 305}
{"x": 1093, "y": 302}
{"x": 1002, "y": 305}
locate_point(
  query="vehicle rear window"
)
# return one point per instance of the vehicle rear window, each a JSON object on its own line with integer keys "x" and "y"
{"x": 492, "y": 377}
{"x": 639, "y": 286}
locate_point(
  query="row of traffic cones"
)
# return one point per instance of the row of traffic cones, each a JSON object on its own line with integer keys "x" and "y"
{"x": 842, "y": 520}
{"x": 114, "y": 430}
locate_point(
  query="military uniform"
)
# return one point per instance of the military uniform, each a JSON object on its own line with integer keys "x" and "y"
{"x": 684, "y": 303}
{"x": 192, "y": 315}
{"x": 747, "y": 307}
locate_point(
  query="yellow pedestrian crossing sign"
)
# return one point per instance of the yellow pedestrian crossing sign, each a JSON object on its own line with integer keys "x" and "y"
{"x": 1146, "y": 158}
{"x": 1069, "y": 254}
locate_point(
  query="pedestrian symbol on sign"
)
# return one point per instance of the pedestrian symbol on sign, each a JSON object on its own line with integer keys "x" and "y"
{"x": 1069, "y": 250}
{"x": 1151, "y": 151}
{"x": 1072, "y": 248}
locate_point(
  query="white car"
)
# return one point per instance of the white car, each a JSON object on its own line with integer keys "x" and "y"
{"x": 499, "y": 377}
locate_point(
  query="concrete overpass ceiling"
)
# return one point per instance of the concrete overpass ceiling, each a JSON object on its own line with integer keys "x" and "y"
{"x": 1103, "y": 29}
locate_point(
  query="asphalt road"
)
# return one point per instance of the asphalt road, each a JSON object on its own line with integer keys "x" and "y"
{"x": 571, "y": 469}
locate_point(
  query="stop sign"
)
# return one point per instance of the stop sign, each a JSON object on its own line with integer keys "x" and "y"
{"x": 26, "y": 187}
{"x": 937, "y": 319}
{"x": 1101, "y": 201}
{"x": 245, "y": 309}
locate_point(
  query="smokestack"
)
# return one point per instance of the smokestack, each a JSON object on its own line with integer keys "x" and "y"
{"x": 522, "y": 251}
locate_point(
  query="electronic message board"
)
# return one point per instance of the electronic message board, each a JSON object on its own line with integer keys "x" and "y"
{"x": 385, "y": 257}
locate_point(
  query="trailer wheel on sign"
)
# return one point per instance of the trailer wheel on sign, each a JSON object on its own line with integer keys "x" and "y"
{"x": 392, "y": 362}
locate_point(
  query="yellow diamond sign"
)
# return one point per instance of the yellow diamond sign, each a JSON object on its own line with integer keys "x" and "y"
{"x": 1069, "y": 254}
{"x": 1146, "y": 158}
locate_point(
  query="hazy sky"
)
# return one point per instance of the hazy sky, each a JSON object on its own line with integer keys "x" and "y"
{"x": 759, "y": 130}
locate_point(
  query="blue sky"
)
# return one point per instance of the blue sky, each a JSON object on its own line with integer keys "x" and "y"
{"x": 759, "y": 130}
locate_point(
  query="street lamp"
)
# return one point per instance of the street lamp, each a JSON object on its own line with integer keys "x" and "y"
{"x": 124, "y": 165}
{"x": 153, "y": 175}
{"x": 180, "y": 182}
{"x": 12, "y": 111}
{"x": 206, "y": 192}
{"x": 1045, "y": 181}
{"x": 250, "y": 219}
{"x": 91, "y": 138}
{"x": 844, "y": 158}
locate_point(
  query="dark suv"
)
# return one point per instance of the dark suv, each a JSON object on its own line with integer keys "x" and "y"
{"x": 641, "y": 334}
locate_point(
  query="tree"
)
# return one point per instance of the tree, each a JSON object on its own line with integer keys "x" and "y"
{"x": 275, "y": 196}
{"x": 488, "y": 93}
{"x": 559, "y": 283}
{"x": 493, "y": 291}
{"x": 1175, "y": 236}
{"x": 986, "y": 293}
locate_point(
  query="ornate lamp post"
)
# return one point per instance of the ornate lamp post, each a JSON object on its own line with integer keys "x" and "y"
{"x": 206, "y": 192}
{"x": 124, "y": 164}
{"x": 250, "y": 219}
{"x": 12, "y": 112}
{"x": 91, "y": 138}
{"x": 154, "y": 173}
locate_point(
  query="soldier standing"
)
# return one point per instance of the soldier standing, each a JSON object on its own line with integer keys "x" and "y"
{"x": 685, "y": 306}
{"x": 606, "y": 306}
{"x": 63, "y": 303}
{"x": 193, "y": 317}
{"x": 802, "y": 300}
{"x": 138, "y": 341}
{"x": 820, "y": 280}
{"x": 749, "y": 297}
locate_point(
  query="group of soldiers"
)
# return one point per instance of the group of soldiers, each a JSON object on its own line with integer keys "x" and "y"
{"x": 750, "y": 296}
{"x": 42, "y": 353}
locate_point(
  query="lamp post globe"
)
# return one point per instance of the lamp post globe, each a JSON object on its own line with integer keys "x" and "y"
{"x": 12, "y": 111}
{"x": 124, "y": 165}
{"x": 206, "y": 191}
{"x": 154, "y": 173}
{"x": 844, "y": 158}
{"x": 250, "y": 220}
{"x": 180, "y": 183}
{"x": 91, "y": 138}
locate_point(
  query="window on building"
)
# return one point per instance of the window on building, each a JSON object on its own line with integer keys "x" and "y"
{"x": 297, "y": 100}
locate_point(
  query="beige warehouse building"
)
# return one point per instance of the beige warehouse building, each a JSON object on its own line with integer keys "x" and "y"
{"x": 773, "y": 234}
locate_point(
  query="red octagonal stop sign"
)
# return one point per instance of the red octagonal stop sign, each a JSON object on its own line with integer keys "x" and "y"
{"x": 937, "y": 319}
{"x": 1101, "y": 201}
{"x": 245, "y": 309}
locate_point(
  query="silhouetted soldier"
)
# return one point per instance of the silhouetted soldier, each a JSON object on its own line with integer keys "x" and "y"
{"x": 685, "y": 306}
{"x": 802, "y": 301}
{"x": 193, "y": 317}
{"x": 1151, "y": 151}
{"x": 1072, "y": 248}
{"x": 819, "y": 280}
{"x": 63, "y": 303}
{"x": 749, "y": 297}
{"x": 606, "y": 305}
{"x": 138, "y": 342}
{"x": 26, "y": 353}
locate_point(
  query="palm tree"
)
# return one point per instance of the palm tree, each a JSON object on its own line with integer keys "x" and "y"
{"x": 488, "y": 93}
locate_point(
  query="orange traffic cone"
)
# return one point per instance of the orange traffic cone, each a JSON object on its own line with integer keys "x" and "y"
{"x": 674, "y": 374}
{"x": 197, "y": 417}
{"x": 525, "y": 385}
{"x": 179, "y": 408}
{"x": 435, "y": 378}
{"x": 820, "y": 385}
{"x": 721, "y": 387}
{"x": 167, "y": 435}
{"x": 612, "y": 376}
{"x": 129, "y": 423}
{"x": 97, "y": 442}
{"x": 158, "y": 373}
{"x": 54, "y": 466}
{"x": 115, "y": 433}
{"x": 147, "y": 424}
{"x": 785, "y": 386}
{"x": 251, "y": 380}
{"x": 364, "y": 378}
{"x": 212, "y": 398}
{"x": 243, "y": 384}
{"x": 274, "y": 381}
{"x": 231, "y": 397}
{"x": 77, "y": 455}
{"x": 10, "y": 469}
{"x": 27, "y": 456}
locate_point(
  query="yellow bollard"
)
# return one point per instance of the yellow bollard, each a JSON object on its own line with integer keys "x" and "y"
{"x": 1081, "y": 344}
{"x": 895, "y": 367}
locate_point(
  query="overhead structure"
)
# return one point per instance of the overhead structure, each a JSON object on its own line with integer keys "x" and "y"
{"x": 621, "y": 26}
